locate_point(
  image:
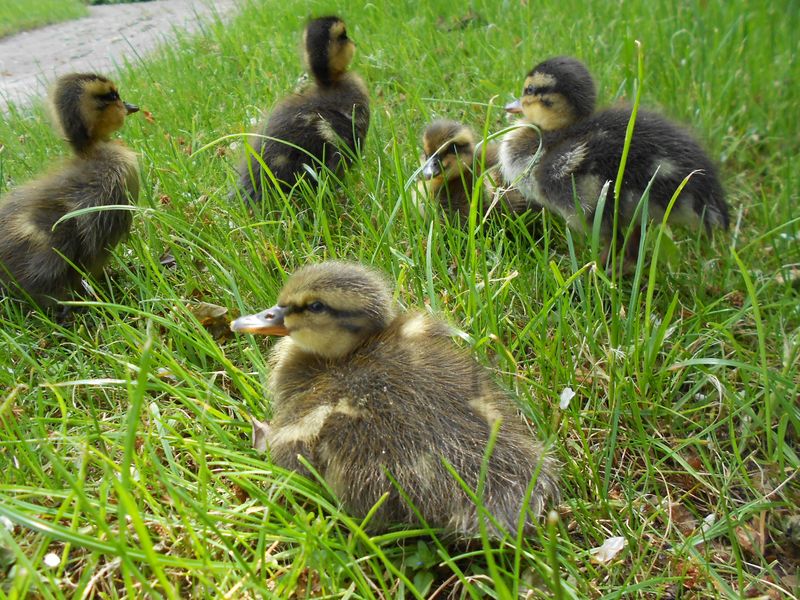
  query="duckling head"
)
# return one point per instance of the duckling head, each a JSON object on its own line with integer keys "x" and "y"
{"x": 88, "y": 108}
{"x": 328, "y": 50}
{"x": 558, "y": 92}
{"x": 449, "y": 147}
{"x": 327, "y": 309}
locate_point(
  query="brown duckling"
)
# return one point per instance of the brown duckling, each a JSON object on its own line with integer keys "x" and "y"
{"x": 582, "y": 150}
{"x": 45, "y": 263}
{"x": 324, "y": 125}
{"x": 369, "y": 395}
{"x": 452, "y": 164}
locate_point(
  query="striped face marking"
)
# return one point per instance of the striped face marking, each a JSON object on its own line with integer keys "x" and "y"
{"x": 543, "y": 106}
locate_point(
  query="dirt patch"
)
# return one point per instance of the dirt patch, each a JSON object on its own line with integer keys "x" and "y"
{"x": 111, "y": 36}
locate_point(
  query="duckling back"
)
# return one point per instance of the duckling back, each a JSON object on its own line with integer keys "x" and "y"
{"x": 589, "y": 154}
{"x": 324, "y": 125}
{"x": 36, "y": 255}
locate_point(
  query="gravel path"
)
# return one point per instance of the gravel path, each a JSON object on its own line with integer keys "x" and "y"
{"x": 110, "y": 36}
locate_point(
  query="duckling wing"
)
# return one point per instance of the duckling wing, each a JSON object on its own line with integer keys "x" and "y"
{"x": 109, "y": 179}
{"x": 27, "y": 258}
{"x": 37, "y": 252}
{"x": 666, "y": 153}
{"x": 661, "y": 155}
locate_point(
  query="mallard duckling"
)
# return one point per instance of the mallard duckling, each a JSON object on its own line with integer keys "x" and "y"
{"x": 45, "y": 262}
{"x": 582, "y": 150}
{"x": 323, "y": 125}
{"x": 452, "y": 163}
{"x": 369, "y": 396}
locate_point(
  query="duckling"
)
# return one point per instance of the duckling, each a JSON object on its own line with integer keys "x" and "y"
{"x": 325, "y": 124}
{"x": 369, "y": 396}
{"x": 45, "y": 261}
{"x": 452, "y": 164}
{"x": 581, "y": 150}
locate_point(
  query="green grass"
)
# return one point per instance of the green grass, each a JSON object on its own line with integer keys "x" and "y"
{"x": 124, "y": 437}
{"x": 19, "y": 15}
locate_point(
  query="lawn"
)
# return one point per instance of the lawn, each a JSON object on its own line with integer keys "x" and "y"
{"x": 19, "y": 15}
{"x": 124, "y": 437}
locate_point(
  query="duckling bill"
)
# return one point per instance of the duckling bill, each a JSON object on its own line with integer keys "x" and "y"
{"x": 369, "y": 395}
{"x": 323, "y": 126}
{"x": 40, "y": 260}
{"x": 582, "y": 151}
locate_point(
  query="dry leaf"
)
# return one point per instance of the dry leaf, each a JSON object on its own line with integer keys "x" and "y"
{"x": 680, "y": 516}
{"x": 148, "y": 116}
{"x": 240, "y": 493}
{"x": 609, "y": 550}
{"x": 167, "y": 260}
{"x": 750, "y": 537}
{"x": 213, "y": 317}
{"x": 166, "y": 375}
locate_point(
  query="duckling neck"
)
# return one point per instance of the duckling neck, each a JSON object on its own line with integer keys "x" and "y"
{"x": 82, "y": 147}
{"x": 87, "y": 147}
{"x": 325, "y": 78}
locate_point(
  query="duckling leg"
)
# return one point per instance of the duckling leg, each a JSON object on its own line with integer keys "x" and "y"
{"x": 627, "y": 251}
{"x": 632, "y": 249}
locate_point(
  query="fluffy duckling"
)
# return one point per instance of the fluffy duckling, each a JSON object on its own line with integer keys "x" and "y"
{"x": 451, "y": 164}
{"x": 42, "y": 262}
{"x": 368, "y": 395}
{"x": 582, "y": 150}
{"x": 323, "y": 125}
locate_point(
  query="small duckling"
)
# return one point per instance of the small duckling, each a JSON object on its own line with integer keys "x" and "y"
{"x": 324, "y": 124}
{"x": 368, "y": 395}
{"x": 582, "y": 150}
{"x": 452, "y": 164}
{"x": 42, "y": 262}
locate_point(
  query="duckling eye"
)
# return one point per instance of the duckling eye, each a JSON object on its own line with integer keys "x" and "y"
{"x": 111, "y": 96}
{"x": 316, "y": 307}
{"x": 530, "y": 90}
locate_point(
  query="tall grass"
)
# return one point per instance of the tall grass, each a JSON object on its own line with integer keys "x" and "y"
{"x": 124, "y": 437}
{"x": 19, "y": 15}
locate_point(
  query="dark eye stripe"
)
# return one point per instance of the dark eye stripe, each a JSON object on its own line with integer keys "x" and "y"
{"x": 344, "y": 314}
{"x": 109, "y": 97}
{"x": 535, "y": 91}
